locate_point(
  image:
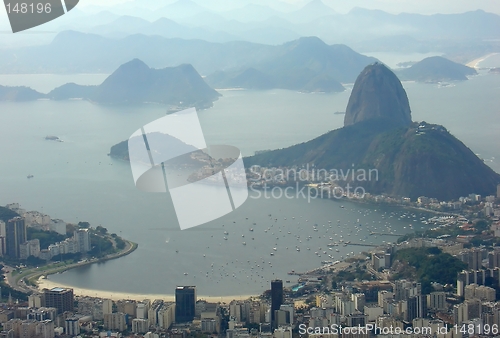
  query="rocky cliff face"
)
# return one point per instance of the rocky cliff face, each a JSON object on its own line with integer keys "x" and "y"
{"x": 378, "y": 94}
{"x": 411, "y": 159}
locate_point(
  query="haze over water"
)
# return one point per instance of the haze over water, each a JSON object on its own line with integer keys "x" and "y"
{"x": 76, "y": 181}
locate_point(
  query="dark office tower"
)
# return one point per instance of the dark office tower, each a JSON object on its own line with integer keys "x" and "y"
{"x": 60, "y": 298}
{"x": 185, "y": 302}
{"x": 15, "y": 235}
{"x": 417, "y": 307}
{"x": 276, "y": 298}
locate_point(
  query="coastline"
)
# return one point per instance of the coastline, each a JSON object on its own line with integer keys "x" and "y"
{"x": 475, "y": 63}
{"x": 42, "y": 278}
{"x": 33, "y": 276}
{"x": 47, "y": 283}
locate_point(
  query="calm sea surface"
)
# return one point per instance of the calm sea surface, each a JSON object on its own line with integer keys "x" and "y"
{"x": 75, "y": 180}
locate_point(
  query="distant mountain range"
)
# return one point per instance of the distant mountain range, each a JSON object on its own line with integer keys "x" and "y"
{"x": 435, "y": 69}
{"x": 306, "y": 64}
{"x": 461, "y": 34}
{"x": 132, "y": 82}
{"x": 412, "y": 159}
{"x": 124, "y": 35}
{"x": 74, "y": 52}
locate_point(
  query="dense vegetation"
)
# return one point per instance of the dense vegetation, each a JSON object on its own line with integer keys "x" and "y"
{"x": 7, "y": 214}
{"x": 346, "y": 275}
{"x": 410, "y": 163}
{"x": 46, "y": 238}
{"x": 430, "y": 265}
{"x": 101, "y": 246}
{"x": 120, "y": 151}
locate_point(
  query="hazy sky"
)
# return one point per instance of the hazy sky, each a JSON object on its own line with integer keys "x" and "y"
{"x": 395, "y": 6}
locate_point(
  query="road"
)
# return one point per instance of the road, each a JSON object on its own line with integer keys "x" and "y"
{"x": 17, "y": 281}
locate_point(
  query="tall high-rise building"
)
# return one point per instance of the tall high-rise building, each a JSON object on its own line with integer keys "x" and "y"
{"x": 416, "y": 307}
{"x": 82, "y": 238}
{"x": 185, "y": 303}
{"x": 72, "y": 326}
{"x": 15, "y": 235}
{"x": 276, "y": 298}
{"x": 60, "y": 298}
{"x": 498, "y": 191}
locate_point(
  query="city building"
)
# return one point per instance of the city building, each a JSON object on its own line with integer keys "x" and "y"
{"x": 15, "y": 230}
{"x": 436, "y": 300}
{"x": 116, "y": 321}
{"x": 29, "y": 248}
{"x": 290, "y": 309}
{"x": 60, "y": 298}
{"x": 166, "y": 315}
{"x": 82, "y": 238}
{"x": 276, "y": 298}
{"x": 72, "y": 326}
{"x": 107, "y": 306}
{"x": 140, "y": 325}
{"x": 142, "y": 309}
{"x": 185, "y": 300}
{"x": 416, "y": 307}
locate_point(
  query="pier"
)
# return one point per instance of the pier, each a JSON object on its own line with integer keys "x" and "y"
{"x": 385, "y": 234}
{"x": 364, "y": 244}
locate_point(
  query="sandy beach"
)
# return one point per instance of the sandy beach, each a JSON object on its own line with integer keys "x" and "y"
{"x": 47, "y": 283}
{"x": 475, "y": 63}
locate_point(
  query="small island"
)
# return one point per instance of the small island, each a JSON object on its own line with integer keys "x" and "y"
{"x": 53, "y": 138}
{"x": 436, "y": 69}
{"x": 177, "y": 87}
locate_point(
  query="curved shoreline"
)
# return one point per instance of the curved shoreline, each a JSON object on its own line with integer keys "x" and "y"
{"x": 34, "y": 275}
{"x": 39, "y": 278}
{"x": 47, "y": 283}
{"x": 106, "y": 294}
{"x": 475, "y": 63}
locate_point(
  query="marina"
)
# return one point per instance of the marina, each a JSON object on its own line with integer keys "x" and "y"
{"x": 107, "y": 195}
